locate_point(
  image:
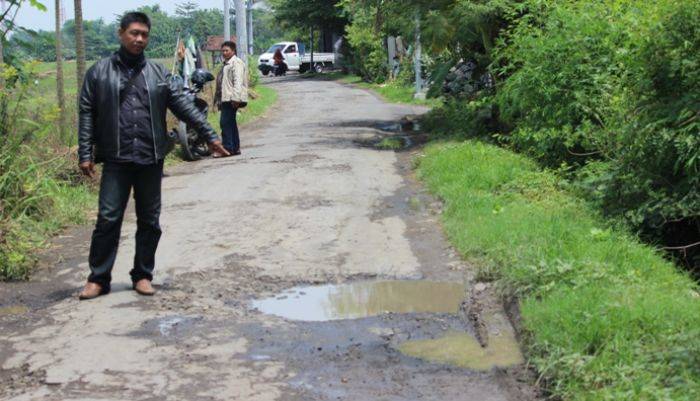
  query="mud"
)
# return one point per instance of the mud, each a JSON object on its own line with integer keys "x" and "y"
{"x": 463, "y": 350}
{"x": 306, "y": 205}
{"x": 13, "y": 310}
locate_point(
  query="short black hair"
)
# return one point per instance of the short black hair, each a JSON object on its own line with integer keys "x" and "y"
{"x": 134, "y": 16}
{"x": 230, "y": 44}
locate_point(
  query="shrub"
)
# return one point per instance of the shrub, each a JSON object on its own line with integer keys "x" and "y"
{"x": 472, "y": 119}
{"x": 40, "y": 190}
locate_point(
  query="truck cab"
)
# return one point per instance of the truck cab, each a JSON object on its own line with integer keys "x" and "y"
{"x": 296, "y": 58}
{"x": 291, "y": 52}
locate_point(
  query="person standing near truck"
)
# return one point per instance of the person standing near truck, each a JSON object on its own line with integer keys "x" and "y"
{"x": 279, "y": 63}
{"x": 231, "y": 95}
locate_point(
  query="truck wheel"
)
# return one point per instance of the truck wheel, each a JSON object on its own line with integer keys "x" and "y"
{"x": 303, "y": 68}
{"x": 318, "y": 68}
{"x": 266, "y": 72}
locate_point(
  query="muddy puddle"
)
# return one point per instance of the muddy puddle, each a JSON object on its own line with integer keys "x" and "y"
{"x": 13, "y": 310}
{"x": 396, "y": 136}
{"x": 363, "y": 299}
{"x": 463, "y": 350}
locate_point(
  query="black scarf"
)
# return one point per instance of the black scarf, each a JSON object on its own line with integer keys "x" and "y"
{"x": 135, "y": 61}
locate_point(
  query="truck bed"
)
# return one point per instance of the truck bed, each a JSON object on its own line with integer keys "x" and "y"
{"x": 318, "y": 58}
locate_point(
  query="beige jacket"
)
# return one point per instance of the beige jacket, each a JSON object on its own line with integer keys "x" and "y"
{"x": 234, "y": 85}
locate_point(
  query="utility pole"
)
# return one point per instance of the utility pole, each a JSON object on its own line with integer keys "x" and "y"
{"x": 227, "y": 19}
{"x": 417, "y": 58}
{"x": 251, "y": 48}
{"x": 241, "y": 28}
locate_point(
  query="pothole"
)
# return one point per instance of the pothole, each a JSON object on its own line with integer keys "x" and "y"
{"x": 463, "y": 350}
{"x": 402, "y": 135}
{"x": 363, "y": 299}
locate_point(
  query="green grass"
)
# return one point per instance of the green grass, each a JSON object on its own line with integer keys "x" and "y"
{"x": 391, "y": 143}
{"x": 392, "y": 92}
{"x": 46, "y": 82}
{"x": 605, "y": 317}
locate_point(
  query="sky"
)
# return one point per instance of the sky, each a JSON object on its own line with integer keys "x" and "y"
{"x": 31, "y": 18}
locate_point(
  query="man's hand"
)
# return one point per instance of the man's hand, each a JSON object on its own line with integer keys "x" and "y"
{"x": 88, "y": 168}
{"x": 217, "y": 147}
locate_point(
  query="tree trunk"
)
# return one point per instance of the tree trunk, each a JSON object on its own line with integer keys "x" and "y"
{"x": 79, "y": 44}
{"x": 61, "y": 97}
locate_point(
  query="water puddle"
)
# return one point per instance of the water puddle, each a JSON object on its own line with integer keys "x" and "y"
{"x": 13, "y": 310}
{"x": 363, "y": 299}
{"x": 463, "y": 350}
{"x": 402, "y": 126}
{"x": 395, "y": 136}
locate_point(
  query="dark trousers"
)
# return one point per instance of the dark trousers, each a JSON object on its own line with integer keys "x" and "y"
{"x": 229, "y": 127}
{"x": 115, "y": 188}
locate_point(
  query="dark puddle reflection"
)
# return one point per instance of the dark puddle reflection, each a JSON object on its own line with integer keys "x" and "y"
{"x": 363, "y": 299}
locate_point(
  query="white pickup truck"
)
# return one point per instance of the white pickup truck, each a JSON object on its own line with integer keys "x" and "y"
{"x": 295, "y": 57}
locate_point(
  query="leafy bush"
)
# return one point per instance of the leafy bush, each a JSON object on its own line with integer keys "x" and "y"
{"x": 608, "y": 91}
{"x": 40, "y": 190}
{"x": 368, "y": 57}
{"x": 472, "y": 119}
{"x": 615, "y": 81}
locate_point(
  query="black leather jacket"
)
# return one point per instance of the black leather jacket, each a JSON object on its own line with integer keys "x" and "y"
{"x": 98, "y": 125}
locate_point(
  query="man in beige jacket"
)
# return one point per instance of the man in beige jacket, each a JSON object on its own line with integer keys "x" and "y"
{"x": 231, "y": 95}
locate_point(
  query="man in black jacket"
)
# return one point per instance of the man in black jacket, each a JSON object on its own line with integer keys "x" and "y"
{"x": 122, "y": 113}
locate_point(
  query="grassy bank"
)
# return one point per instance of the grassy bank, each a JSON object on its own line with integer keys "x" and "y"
{"x": 605, "y": 317}
{"x": 392, "y": 92}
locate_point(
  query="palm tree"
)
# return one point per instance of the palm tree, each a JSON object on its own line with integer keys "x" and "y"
{"x": 59, "y": 73}
{"x": 79, "y": 43}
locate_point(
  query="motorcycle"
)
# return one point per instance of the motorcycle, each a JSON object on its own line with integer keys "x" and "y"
{"x": 193, "y": 146}
{"x": 280, "y": 70}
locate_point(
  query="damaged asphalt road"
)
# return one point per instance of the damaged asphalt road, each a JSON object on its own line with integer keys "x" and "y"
{"x": 305, "y": 204}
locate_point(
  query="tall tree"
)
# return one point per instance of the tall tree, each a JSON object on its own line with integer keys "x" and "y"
{"x": 186, "y": 11}
{"x": 79, "y": 43}
{"x": 323, "y": 14}
{"x": 2, "y": 39}
{"x": 60, "y": 94}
